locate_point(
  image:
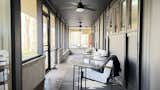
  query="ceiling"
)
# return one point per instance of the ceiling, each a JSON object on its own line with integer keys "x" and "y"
{"x": 73, "y": 18}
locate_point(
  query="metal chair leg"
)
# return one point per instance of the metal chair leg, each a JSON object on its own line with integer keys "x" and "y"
{"x": 81, "y": 77}
{"x": 4, "y": 79}
{"x": 78, "y": 76}
{"x": 85, "y": 78}
{"x": 73, "y": 76}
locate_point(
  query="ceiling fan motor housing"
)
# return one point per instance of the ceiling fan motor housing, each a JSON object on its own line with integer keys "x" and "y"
{"x": 80, "y": 5}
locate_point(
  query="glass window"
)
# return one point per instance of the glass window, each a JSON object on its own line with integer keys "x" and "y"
{"x": 45, "y": 40}
{"x": 45, "y": 9}
{"x": 29, "y": 28}
{"x": 107, "y": 21}
{"x": 116, "y": 19}
{"x": 134, "y": 14}
{"x": 101, "y": 31}
{"x": 45, "y": 33}
{"x": 111, "y": 22}
{"x": 52, "y": 20}
{"x": 86, "y": 39}
{"x": 80, "y": 38}
{"x": 63, "y": 36}
{"x": 97, "y": 33}
{"x": 123, "y": 15}
{"x": 74, "y": 40}
{"x": 5, "y": 45}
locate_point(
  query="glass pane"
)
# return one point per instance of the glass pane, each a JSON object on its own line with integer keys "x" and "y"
{"x": 116, "y": 19}
{"x": 45, "y": 40}
{"x": 111, "y": 21}
{"x": 101, "y": 31}
{"x": 80, "y": 38}
{"x": 45, "y": 33}
{"x": 97, "y": 34}
{"x": 46, "y": 61}
{"x": 52, "y": 31}
{"x": 86, "y": 39}
{"x": 123, "y": 22}
{"x": 61, "y": 35}
{"x": 5, "y": 48}
{"x": 29, "y": 28}
{"x": 45, "y": 9}
{"x": 75, "y": 38}
{"x": 134, "y": 14}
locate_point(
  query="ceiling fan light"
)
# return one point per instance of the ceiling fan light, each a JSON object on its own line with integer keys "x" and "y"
{"x": 79, "y": 9}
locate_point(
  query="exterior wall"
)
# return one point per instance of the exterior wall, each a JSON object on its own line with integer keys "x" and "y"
{"x": 133, "y": 62}
{"x": 117, "y": 47}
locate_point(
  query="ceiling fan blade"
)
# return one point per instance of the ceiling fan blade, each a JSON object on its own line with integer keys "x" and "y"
{"x": 72, "y": 7}
{"x": 88, "y": 8}
{"x": 72, "y": 3}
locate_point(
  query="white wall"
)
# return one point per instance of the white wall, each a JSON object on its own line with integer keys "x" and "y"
{"x": 117, "y": 47}
{"x": 33, "y": 73}
{"x": 151, "y": 45}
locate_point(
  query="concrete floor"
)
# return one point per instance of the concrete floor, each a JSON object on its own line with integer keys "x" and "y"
{"x": 62, "y": 78}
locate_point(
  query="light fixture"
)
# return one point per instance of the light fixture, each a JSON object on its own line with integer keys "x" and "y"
{"x": 79, "y": 9}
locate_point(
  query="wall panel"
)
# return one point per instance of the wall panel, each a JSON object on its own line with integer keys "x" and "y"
{"x": 117, "y": 47}
{"x": 133, "y": 63}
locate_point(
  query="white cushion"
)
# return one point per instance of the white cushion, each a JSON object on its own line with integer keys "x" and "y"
{"x": 88, "y": 50}
{"x": 100, "y": 52}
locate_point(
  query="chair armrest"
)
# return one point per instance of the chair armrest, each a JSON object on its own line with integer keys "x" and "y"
{"x": 108, "y": 67}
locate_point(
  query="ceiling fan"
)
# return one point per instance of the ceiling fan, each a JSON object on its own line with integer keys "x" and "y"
{"x": 80, "y": 7}
{"x": 79, "y": 26}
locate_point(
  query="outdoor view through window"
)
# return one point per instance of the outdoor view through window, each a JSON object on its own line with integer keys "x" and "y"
{"x": 29, "y": 28}
{"x": 80, "y": 38}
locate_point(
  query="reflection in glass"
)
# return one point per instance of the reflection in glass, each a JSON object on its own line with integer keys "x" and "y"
{"x": 111, "y": 22}
{"x": 134, "y": 16}
{"x": 45, "y": 40}
{"x": 45, "y": 9}
{"x": 101, "y": 31}
{"x": 52, "y": 33}
{"x": 52, "y": 20}
{"x": 5, "y": 48}
{"x": 45, "y": 33}
{"x": 29, "y": 28}
{"x": 123, "y": 15}
{"x": 116, "y": 19}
